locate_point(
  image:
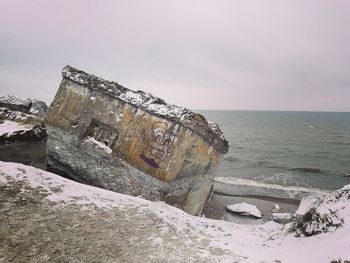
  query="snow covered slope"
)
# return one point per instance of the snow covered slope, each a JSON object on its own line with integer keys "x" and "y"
{"x": 50, "y": 218}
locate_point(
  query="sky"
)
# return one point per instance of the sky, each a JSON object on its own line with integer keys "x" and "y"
{"x": 201, "y": 54}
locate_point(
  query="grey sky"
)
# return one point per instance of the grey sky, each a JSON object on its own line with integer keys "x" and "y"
{"x": 264, "y": 55}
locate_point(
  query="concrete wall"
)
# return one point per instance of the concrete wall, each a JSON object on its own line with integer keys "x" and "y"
{"x": 155, "y": 145}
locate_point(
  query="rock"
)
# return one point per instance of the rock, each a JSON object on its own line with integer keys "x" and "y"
{"x": 23, "y": 143}
{"x": 14, "y": 103}
{"x": 282, "y": 217}
{"x": 245, "y": 209}
{"x": 276, "y": 208}
{"x": 39, "y": 108}
{"x": 174, "y": 150}
{"x": 30, "y": 106}
{"x": 323, "y": 214}
{"x": 23, "y": 135}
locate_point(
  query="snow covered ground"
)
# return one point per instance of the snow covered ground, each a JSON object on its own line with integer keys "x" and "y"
{"x": 192, "y": 239}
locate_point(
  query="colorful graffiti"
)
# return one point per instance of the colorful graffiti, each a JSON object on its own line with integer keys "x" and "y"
{"x": 159, "y": 144}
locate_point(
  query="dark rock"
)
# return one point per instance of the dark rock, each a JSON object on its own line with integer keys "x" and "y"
{"x": 39, "y": 108}
{"x": 25, "y": 146}
{"x": 34, "y": 134}
{"x": 30, "y": 106}
{"x": 23, "y": 135}
{"x": 16, "y": 104}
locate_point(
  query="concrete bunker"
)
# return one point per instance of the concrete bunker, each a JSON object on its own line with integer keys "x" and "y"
{"x": 168, "y": 142}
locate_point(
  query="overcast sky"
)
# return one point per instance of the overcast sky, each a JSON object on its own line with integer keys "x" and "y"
{"x": 248, "y": 54}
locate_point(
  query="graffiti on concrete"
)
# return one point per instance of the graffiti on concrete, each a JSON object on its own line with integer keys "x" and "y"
{"x": 159, "y": 144}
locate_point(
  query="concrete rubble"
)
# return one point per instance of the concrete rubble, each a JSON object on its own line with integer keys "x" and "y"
{"x": 23, "y": 133}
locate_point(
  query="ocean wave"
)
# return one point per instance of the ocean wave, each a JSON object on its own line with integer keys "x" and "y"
{"x": 231, "y": 159}
{"x": 340, "y": 143}
{"x": 263, "y": 163}
{"x": 277, "y": 167}
{"x": 346, "y": 175}
{"x": 238, "y": 186}
{"x": 289, "y": 169}
{"x": 306, "y": 170}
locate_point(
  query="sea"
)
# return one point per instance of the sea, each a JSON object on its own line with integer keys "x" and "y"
{"x": 305, "y": 149}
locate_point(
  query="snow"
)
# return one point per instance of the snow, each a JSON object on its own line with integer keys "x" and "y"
{"x": 99, "y": 144}
{"x": 153, "y": 104}
{"x": 281, "y": 216}
{"x": 306, "y": 204}
{"x": 215, "y": 128}
{"x": 245, "y": 209}
{"x": 75, "y": 76}
{"x": 10, "y": 127}
{"x": 331, "y": 211}
{"x": 276, "y": 208}
{"x": 270, "y": 242}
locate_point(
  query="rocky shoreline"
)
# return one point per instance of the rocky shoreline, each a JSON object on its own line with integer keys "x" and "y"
{"x": 216, "y": 209}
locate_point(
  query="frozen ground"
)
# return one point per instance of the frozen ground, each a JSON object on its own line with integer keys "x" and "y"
{"x": 46, "y": 218}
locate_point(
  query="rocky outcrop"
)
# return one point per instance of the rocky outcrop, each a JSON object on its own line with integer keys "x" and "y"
{"x": 31, "y": 106}
{"x": 132, "y": 142}
{"x": 23, "y": 134}
{"x": 323, "y": 214}
{"x": 38, "y": 108}
{"x": 14, "y": 103}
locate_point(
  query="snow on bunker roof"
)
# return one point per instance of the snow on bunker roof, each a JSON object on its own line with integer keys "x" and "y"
{"x": 209, "y": 131}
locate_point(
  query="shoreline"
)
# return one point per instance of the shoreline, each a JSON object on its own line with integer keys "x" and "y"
{"x": 265, "y": 198}
{"x": 216, "y": 208}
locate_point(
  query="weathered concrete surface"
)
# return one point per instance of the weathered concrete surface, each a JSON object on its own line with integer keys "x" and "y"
{"x": 91, "y": 165}
{"x": 171, "y": 144}
{"x": 25, "y": 142}
{"x": 165, "y": 141}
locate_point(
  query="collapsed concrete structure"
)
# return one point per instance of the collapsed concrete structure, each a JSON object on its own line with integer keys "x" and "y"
{"x": 174, "y": 150}
{"x": 23, "y": 133}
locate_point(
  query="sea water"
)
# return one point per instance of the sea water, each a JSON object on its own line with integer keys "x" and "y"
{"x": 308, "y": 149}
